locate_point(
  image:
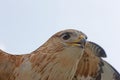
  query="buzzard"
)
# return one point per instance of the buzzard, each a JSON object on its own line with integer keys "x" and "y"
{"x": 56, "y": 59}
{"x": 65, "y": 56}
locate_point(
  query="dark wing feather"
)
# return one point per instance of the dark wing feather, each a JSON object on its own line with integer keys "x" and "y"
{"x": 97, "y": 50}
{"x": 105, "y": 72}
{"x": 108, "y": 71}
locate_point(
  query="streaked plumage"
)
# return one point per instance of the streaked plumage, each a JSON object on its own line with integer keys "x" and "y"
{"x": 92, "y": 67}
{"x": 57, "y": 59}
{"x": 65, "y": 56}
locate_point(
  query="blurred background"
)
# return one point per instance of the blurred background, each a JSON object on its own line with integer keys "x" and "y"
{"x": 27, "y": 24}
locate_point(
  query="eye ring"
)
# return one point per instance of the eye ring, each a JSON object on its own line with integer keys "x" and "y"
{"x": 66, "y": 36}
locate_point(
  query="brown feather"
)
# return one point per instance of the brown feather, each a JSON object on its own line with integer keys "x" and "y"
{"x": 54, "y": 60}
{"x": 89, "y": 65}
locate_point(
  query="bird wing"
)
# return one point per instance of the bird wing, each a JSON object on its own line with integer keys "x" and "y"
{"x": 92, "y": 66}
{"x": 108, "y": 69}
{"x": 6, "y": 66}
{"x": 96, "y": 49}
{"x": 8, "y": 63}
{"x": 109, "y": 72}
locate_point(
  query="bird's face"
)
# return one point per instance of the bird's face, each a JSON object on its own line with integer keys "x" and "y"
{"x": 64, "y": 40}
{"x": 72, "y": 38}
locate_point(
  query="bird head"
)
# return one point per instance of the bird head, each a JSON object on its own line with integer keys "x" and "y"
{"x": 71, "y": 37}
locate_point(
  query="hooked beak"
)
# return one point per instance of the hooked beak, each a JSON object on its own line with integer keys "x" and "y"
{"x": 80, "y": 42}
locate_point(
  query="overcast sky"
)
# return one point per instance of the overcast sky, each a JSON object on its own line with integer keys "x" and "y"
{"x": 27, "y": 24}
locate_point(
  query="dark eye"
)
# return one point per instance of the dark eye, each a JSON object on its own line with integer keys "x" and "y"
{"x": 66, "y": 36}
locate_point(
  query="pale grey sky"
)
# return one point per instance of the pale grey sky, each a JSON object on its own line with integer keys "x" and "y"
{"x": 27, "y": 24}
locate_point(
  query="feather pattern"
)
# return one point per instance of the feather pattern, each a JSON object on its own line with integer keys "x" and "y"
{"x": 65, "y": 56}
{"x": 57, "y": 59}
{"x": 92, "y": 67}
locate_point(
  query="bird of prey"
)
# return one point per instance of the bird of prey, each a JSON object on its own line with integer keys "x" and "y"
{"x": 92, "y": 67}
{"x": 56, "y": 59}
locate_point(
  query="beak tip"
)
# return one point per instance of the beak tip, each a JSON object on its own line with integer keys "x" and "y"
{"x": 83, "y": 42}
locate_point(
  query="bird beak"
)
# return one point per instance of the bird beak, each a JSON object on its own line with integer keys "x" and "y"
{"x": 81, "y": 41}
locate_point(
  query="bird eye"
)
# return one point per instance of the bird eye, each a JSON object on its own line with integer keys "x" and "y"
{"x": 66, "y": 36}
